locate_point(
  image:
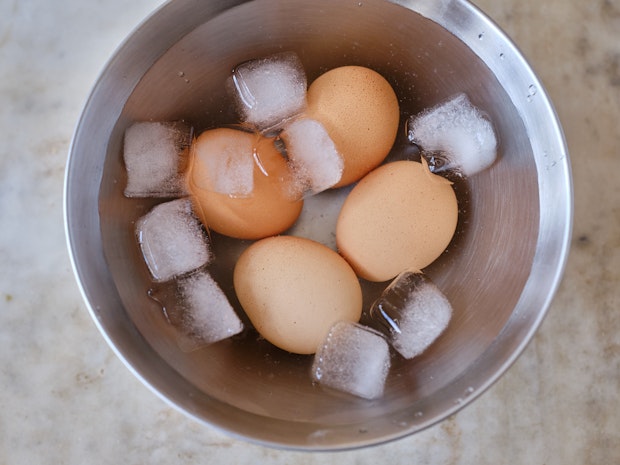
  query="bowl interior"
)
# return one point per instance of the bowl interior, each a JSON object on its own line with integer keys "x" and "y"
{"x": 173, "y": 69}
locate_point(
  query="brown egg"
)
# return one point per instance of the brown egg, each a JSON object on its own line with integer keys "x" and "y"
{"x": 294, "y": 289}
{"x": 399, "y": 217}
{"x": 359, "y": 109}
{"x": 235, "y": 181}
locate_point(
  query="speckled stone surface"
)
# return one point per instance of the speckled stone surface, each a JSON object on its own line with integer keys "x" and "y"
{"x": 67, "y": 399}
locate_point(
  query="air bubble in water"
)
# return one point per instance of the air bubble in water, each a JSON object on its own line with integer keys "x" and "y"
{"x": 151, "y": 293}
{"x": 531, "y": 91}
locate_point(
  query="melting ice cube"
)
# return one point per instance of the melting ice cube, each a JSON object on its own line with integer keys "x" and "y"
{"x": 459, "y": 131}
{"x": 315, "y": 162}
{"x": 224, "y": 162}
{"x": 154, "y": 154}
{"x": 353, "y": 359}
{"x": 172, "y": 240}
{"x": 270, "y": 90}
{"x": 412, "y": 312}
{"x": 208, "y": 316}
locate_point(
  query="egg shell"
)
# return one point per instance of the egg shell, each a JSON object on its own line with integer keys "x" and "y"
{"x": 265, "y": 211}
{"x": 359, "y": 109}
{"x": 400, "y": 217}
{"x": 294, "y": 289}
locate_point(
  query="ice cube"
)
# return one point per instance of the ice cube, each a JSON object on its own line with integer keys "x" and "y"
{"x": 412, "y": 312}
{"x": 224, "y": 161}
{"x": 353, "y": 359}
{"x": 208, "y": 316}
{"x": 269, "y": 91}
{"x": 154, "y": 154}
{"x": 460, "y": 132}
{"x": 315, "y": 162}
{"x": 172, "y": 240}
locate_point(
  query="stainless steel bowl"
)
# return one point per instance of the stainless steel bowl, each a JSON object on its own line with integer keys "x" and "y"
{"x": 500, "y": 272}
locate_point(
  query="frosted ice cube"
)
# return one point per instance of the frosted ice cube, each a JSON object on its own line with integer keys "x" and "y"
{"x": 154, "y": 154}
{"x": 234, "y": 176}
{"x": 460, "y": 131}
{"x": 353, "y": 359}
{"x": 172, "y": 240}
{"x": 227, "y": 158}
{"x": 315, "y": 162}
{"x": 269, "y": 90}
{"x": 208, "y": 316}
{"x": 412, "y": 312}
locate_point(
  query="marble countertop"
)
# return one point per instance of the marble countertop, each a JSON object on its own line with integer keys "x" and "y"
{"x": 66, "y": 399}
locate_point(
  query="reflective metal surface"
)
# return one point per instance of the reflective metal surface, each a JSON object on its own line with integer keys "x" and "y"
{"x": 500, "y": 272}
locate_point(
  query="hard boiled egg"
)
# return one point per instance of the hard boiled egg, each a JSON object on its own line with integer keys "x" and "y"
{"x": 400, "y": 217}
{"x": 235, "y": 179}
{"x": 294, "y": 289}
{"x": 359, "y": 109}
